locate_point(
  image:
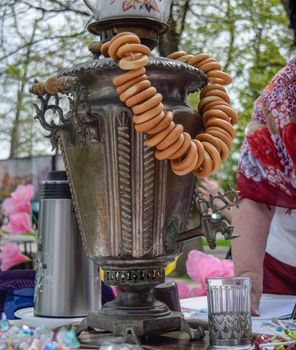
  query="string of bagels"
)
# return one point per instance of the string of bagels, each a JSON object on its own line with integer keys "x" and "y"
{"x": 201, "y": 155}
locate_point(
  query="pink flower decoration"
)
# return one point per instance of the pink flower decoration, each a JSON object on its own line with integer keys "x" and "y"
{"x": 201, "y": 266}
{"x": 10, "y": 255}
{"x": 19, "y": 223}
{"x": 183, "y": 290}
{"x": 19, "y": 200}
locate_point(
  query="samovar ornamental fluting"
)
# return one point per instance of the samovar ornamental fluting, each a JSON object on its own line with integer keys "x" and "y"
{"x": 133, "y": 210}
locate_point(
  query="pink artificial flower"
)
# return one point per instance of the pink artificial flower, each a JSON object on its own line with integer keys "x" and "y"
{"x": 10, "y": 255}
{"x": 183, "y": 290}
{"x": 19, "y": 223}
{"x": 201, "y": 266}
{"x": 20, "y": 200}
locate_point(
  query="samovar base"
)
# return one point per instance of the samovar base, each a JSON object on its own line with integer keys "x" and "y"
{"x": 131, "y": 330}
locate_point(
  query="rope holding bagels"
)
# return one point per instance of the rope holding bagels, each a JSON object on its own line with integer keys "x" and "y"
{"x": 201, "y": 155}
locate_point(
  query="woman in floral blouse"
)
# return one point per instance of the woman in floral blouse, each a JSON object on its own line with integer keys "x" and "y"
{"x": 266, "y": 178}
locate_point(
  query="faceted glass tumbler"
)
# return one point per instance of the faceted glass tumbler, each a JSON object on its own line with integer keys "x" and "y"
{"x": 229, "y": 312}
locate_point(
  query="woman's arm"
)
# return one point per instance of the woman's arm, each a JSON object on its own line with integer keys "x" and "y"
{"x": 251, "y": 222}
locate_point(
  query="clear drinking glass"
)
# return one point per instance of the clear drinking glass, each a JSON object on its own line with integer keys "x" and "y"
{"x": 229, "y": 312}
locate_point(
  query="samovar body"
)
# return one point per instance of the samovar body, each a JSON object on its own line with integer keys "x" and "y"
{"x": 130, "y": 207}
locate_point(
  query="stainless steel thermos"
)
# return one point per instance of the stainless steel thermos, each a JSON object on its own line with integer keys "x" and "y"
{"x": 67, "y": 281}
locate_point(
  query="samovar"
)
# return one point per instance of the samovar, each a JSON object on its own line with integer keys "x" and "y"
{"x": 133, "y": 211}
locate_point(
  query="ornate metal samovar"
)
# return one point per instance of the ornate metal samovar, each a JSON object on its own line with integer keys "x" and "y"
{"x": 133, "y": 211}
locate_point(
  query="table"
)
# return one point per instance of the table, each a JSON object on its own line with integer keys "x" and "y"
{"x": 171, "y": 341}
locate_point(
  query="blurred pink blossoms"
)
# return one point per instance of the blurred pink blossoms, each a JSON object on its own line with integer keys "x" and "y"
{"x": 10, "y": 255}
{"x": 201, "y": 266}
{"x": 18, "y": 210}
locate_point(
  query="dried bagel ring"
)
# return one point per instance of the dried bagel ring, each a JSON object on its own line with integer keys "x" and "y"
{"x": 135, "y": 89}
{"x": 137, "y": 48}
{"x": 208, "y": 138}
{"x": 224, "y": 153}
{"x": 198, "y": 58}
{"x": 141, "y": 97}
{"x": 222, "y": 124}
{"x": 105, "y": 49}
{"x": 200, "y": 152}
{"x": 161, "y": 125}
{"x": 166, "y": 153}
{"x": 171, "y": 138}
{"x": 142, "y": 118}
{"x": 219, "y": 93}
{"x": 214, "y": 154}
{"x": 131, "y": 63}
{"x": 207, "y": 67}
{"x": 217, "y": 74}
{"x": 122, "y": 79}
{"x": 211, "y": 105}
{"x": 215, "y": 113}
{"x": 149, "y": 124}
{"x": 120, "y": 41}
{"x": 129, "y": 83}
{"x": 229, "y": 111}
{"x": 119, "y": 35}
{"x": 150, "y": 103}
{"x": 210, "y": 87}
{"x": 187, "y": 162}
{"x": 205, "y": 168}
{"x": 177, "y": 54}
{"x": 157, "y": 138}
{"x": 221, "y": 136}
{"x": 185, "y": 58}
{"x": 184, "y": 148}
{"x": 203, "y": 102}
{"x": 205, "y": 61}
{"x": 189, "y": 168}
{"x": 219, "y": 129}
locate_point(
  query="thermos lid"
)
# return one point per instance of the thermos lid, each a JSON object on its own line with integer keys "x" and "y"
{"x": 56, "y": 186}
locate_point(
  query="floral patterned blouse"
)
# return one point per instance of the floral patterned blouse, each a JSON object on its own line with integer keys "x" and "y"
{"x": 267, "y": 168}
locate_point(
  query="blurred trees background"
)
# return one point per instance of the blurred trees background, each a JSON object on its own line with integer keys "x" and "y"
{"x": 40, "y": 37}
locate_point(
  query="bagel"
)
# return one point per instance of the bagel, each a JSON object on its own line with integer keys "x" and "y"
{"x": 134, "y": 89}
{"x": 224, "y": 153}
{"x": 212, "y": 87}
{"x": 187, "y": 164}
{"x": 126, "y": 49}
{"x": 183, "y": 149}
{"x": 215, "y": 113}
{"x": 203, "y": 102}
{"x": 177, "y": 54}
{"x": 150, "y": 103}
{"x": 141, "y": 118}
{"x": 149, "y": 124}
{"x": 171, "y": 138}
{"x": 222, "y": 124}
{"x": 105, "y": 49}
{"x": 141, "y": 97}
{"x": 120, "y": 40}
{"x": 207, "y": 67}
{"x": 184, "y": 58}
{"x": 211, "y": 105}
{"x": 166, "y": 153}
{"x": 214, "y": 154}
{"x": 218, "y": 93}
{"x": 229, "y": 111}
{"x": 221, "y": 136}
{"x": 122, "y": 79}
{"x": 162, "y": 125}
{"x": 157, "y": 138}
{"x": 129, "y": 83}
{"x": 205, "y": 168}
{"x": 208, "y": 138}
{"x": 218, "y": 76}
{"x": 200, "y": 152}
{"x": 198, "y": 58}
{"x": 133, "y": 62}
